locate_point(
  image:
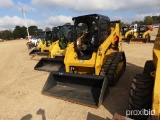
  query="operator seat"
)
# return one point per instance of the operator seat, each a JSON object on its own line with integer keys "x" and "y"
{"x": 90, "y": 45}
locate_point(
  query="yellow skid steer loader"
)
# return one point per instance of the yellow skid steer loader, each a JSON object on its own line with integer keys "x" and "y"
{"x": 57, "y": 53}
{"x": 48, "y": 43}
{"x": 39, "y": 44}
{"x": 141, "y": 36}
{"x": 93, "y": 61}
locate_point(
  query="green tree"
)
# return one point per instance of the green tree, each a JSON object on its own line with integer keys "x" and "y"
{"x": 124, "y": 24}
{"x": 48, "y": 29}
{"x": 148, "y": 20}
{"x": 33, "y": 30}
{"x": 156, "y": 19}
{"x": 6, "y": 34}
{"x": 19, "y": 32}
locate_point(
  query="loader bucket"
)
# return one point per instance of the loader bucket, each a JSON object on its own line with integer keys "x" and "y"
{"x": 125, "y": 39}
{"x": 50, "y": 64}
{"x": 82, "y": 89}
{"x": 138, "y": 40}
{"x": 39, "y": 55}
{"x": 34, "y": 51}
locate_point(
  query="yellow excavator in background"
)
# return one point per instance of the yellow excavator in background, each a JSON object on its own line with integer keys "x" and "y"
{"x": 144, "y": 95}
{"x": 58, "y": 51}
{"x": 93, "y": 61}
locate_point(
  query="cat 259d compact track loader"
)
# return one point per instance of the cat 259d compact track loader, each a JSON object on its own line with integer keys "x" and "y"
{"x": 57, "y": 53}
{"x": 94, "y": 60}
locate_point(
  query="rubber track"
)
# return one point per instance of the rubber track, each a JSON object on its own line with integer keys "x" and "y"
{"x": 111, "y": 65}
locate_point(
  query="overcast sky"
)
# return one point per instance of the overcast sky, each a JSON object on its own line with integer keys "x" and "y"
{"x": 49, "y": 13}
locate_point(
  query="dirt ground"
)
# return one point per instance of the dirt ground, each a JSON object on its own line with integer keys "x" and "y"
{"x": 21, "y": 85}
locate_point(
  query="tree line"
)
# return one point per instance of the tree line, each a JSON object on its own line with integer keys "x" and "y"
{"x": 148, "y": 20}
{"x": 21, "y": 32}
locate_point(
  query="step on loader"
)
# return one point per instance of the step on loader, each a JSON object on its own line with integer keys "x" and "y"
{"x": 144, "y": 94}
{"x": 56, "y": 59}
{"x": 94, "y": 60}
{"x": 49, "y": 41}
{"x": 141, "y": 36}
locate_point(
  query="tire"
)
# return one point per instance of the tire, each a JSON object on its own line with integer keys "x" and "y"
{"x": 140, "y": 96}
{"x": 148, "y": 67}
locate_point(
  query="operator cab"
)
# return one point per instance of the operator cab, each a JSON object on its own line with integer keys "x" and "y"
{"x": 90, "y": 32}
{"x": 65, "y": 35}
{"x": 141, "y": 29}
{"x": 47, "y": 37}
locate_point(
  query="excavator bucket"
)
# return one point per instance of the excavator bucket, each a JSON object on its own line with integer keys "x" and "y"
{"x": 50, "y": 64}
{"x": 83, "y": 89}
{"x": 34, "y": 51}
{"x": 138, "y": 40}
{"x": 39, "y": 55}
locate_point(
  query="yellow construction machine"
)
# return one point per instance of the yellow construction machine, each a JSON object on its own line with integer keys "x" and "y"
{"x": 93, "y": 61}
{"x": 57, "y": 53}
{"x": 45, "y": 41}
{"x": 141, "y": 36}
{"x": 49, "y": 41}
{"x": 127, "y": 33}
{"x": 144, "y": 97}
{"x": 35, "y": 41}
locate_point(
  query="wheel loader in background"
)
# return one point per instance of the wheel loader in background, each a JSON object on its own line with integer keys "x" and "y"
{"x": 94, "y": 60}
{"x": 57, "y": 53}
{"x": 145, "y": 88}
{"x": 43, "y": 44}
{"x": 141, "y": 36}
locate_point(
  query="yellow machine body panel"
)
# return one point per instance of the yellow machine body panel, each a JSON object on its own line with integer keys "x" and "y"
{"x": 102, "y": 53}
{"x": 156, "y": 91}
{"x": 145, "y": 33}
{"x": 56, "y": 50}
{"x": 47, "y": 48}
{"x": 98, "y": 58}
{"x": 128, "y": 32}
{"x": 40, "y": 44}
